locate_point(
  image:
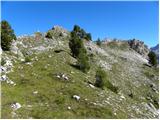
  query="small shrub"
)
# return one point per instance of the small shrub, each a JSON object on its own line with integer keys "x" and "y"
{"x": 98, "y": 42}
{"x": 48, "y": 35}
{"x": 148, "y": 74}
{"x": 102, "y": 81}
{"x": 100, "y": 77}
{"x": 59, "y": 100}
{"x": 110, "y": 86}
{"x": 152, "y": 58}
{"x": 83, "y": 61}
{"x": 130, "y": 95}
{"x": 27, "y": 59}
{"x": 3, "y": 62}
{"x": 38, "y": 34}
{"x": 61, "y": 34}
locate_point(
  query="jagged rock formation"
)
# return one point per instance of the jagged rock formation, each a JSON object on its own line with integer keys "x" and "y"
{"x": 139, "y": 47}
{"x": 32, "y": 77}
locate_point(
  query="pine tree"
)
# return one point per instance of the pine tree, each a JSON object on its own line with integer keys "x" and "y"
{"x": 78, "y": 50}
{"x": 75, "y": 44}
{"x": 88, "y": 36}
{"x": 7, "y": 35}
{"x": 152, "y": 58}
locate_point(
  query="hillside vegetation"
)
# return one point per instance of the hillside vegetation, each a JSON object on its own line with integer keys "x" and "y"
{"x": 40, "y": 74}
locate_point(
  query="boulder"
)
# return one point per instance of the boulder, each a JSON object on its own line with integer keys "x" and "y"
{"x": 3, "y": 69}
{"x": 139, "y": 47}
{"x": 69, "y": 108}
{"x": 10, "y": 82}
{"x": 16, "y": 106}
{"x": 62, "y": 76}
{"x": 35, "y": 92}
{"x": 4, "y": 78}
{"x": 92, "y": 86}
{"x": 76, "y": 97}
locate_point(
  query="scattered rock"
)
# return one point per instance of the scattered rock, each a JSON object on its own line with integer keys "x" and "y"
{"x": 62, "y": 76}
{"x": 107, "y": 102}
{"x": 22, "y": 60}
{"x": 29, "y": 106}
{"x": 4, "y": 78}
{"x": 58, "y": 76}
{"x": 8, "y": 63}
{"x": 69, "y": 108}
{"x": 65, "y": 78}
{"x": 3, "y": 69}
{"x": 85, "y": 99}
{"x": 11, "y": 82}
{"x": 16, "y": 106}
{"x": 29, "y": 63}
{"x": 115, "y": 113}
{"x": 35, "y": 92}
{"x": 92, "y": 86}
{"x": 76, "y": 97}
{"x": 122, "y": 97}
{"x": 94, "y": 103}
{"x": 72, "y": 72}
{"x": 49, "y": 56}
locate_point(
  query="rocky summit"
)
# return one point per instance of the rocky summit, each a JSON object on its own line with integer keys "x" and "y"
{"x": 39, "y": 79}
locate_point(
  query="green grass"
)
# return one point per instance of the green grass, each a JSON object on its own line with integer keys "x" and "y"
{"x": 54, "y": 95}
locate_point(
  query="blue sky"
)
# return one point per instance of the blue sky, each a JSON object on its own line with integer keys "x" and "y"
{"x": 123, "y": 20}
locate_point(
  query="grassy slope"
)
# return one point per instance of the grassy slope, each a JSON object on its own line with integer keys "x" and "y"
{"x": 54, "y": 95}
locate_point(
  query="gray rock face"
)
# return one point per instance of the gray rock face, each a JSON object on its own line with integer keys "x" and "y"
{"x": 16, "y": 50}
{"x": 139, "y": 47}
{"x": 58, "y": 29}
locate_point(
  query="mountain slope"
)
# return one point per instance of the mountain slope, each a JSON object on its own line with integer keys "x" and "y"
{"x": 35, "y": 65}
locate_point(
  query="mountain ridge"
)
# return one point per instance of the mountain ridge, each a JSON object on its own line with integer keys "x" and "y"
{"x": 34, "y": 73}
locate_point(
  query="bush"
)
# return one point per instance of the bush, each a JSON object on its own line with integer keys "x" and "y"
{"x": 39, "y": 34}
{"x": 83, "y": 61}
{"x": 3, "y": 62}
{"x": 102, "y": 81}
{"x": 27, "y": 59}
{"x": 7, "y": 35}
{"x": 152, "y": 58}
{"x": 98, "y": 42}
{"x": 100, "y": 77}
{"x": 49, "y": 35}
